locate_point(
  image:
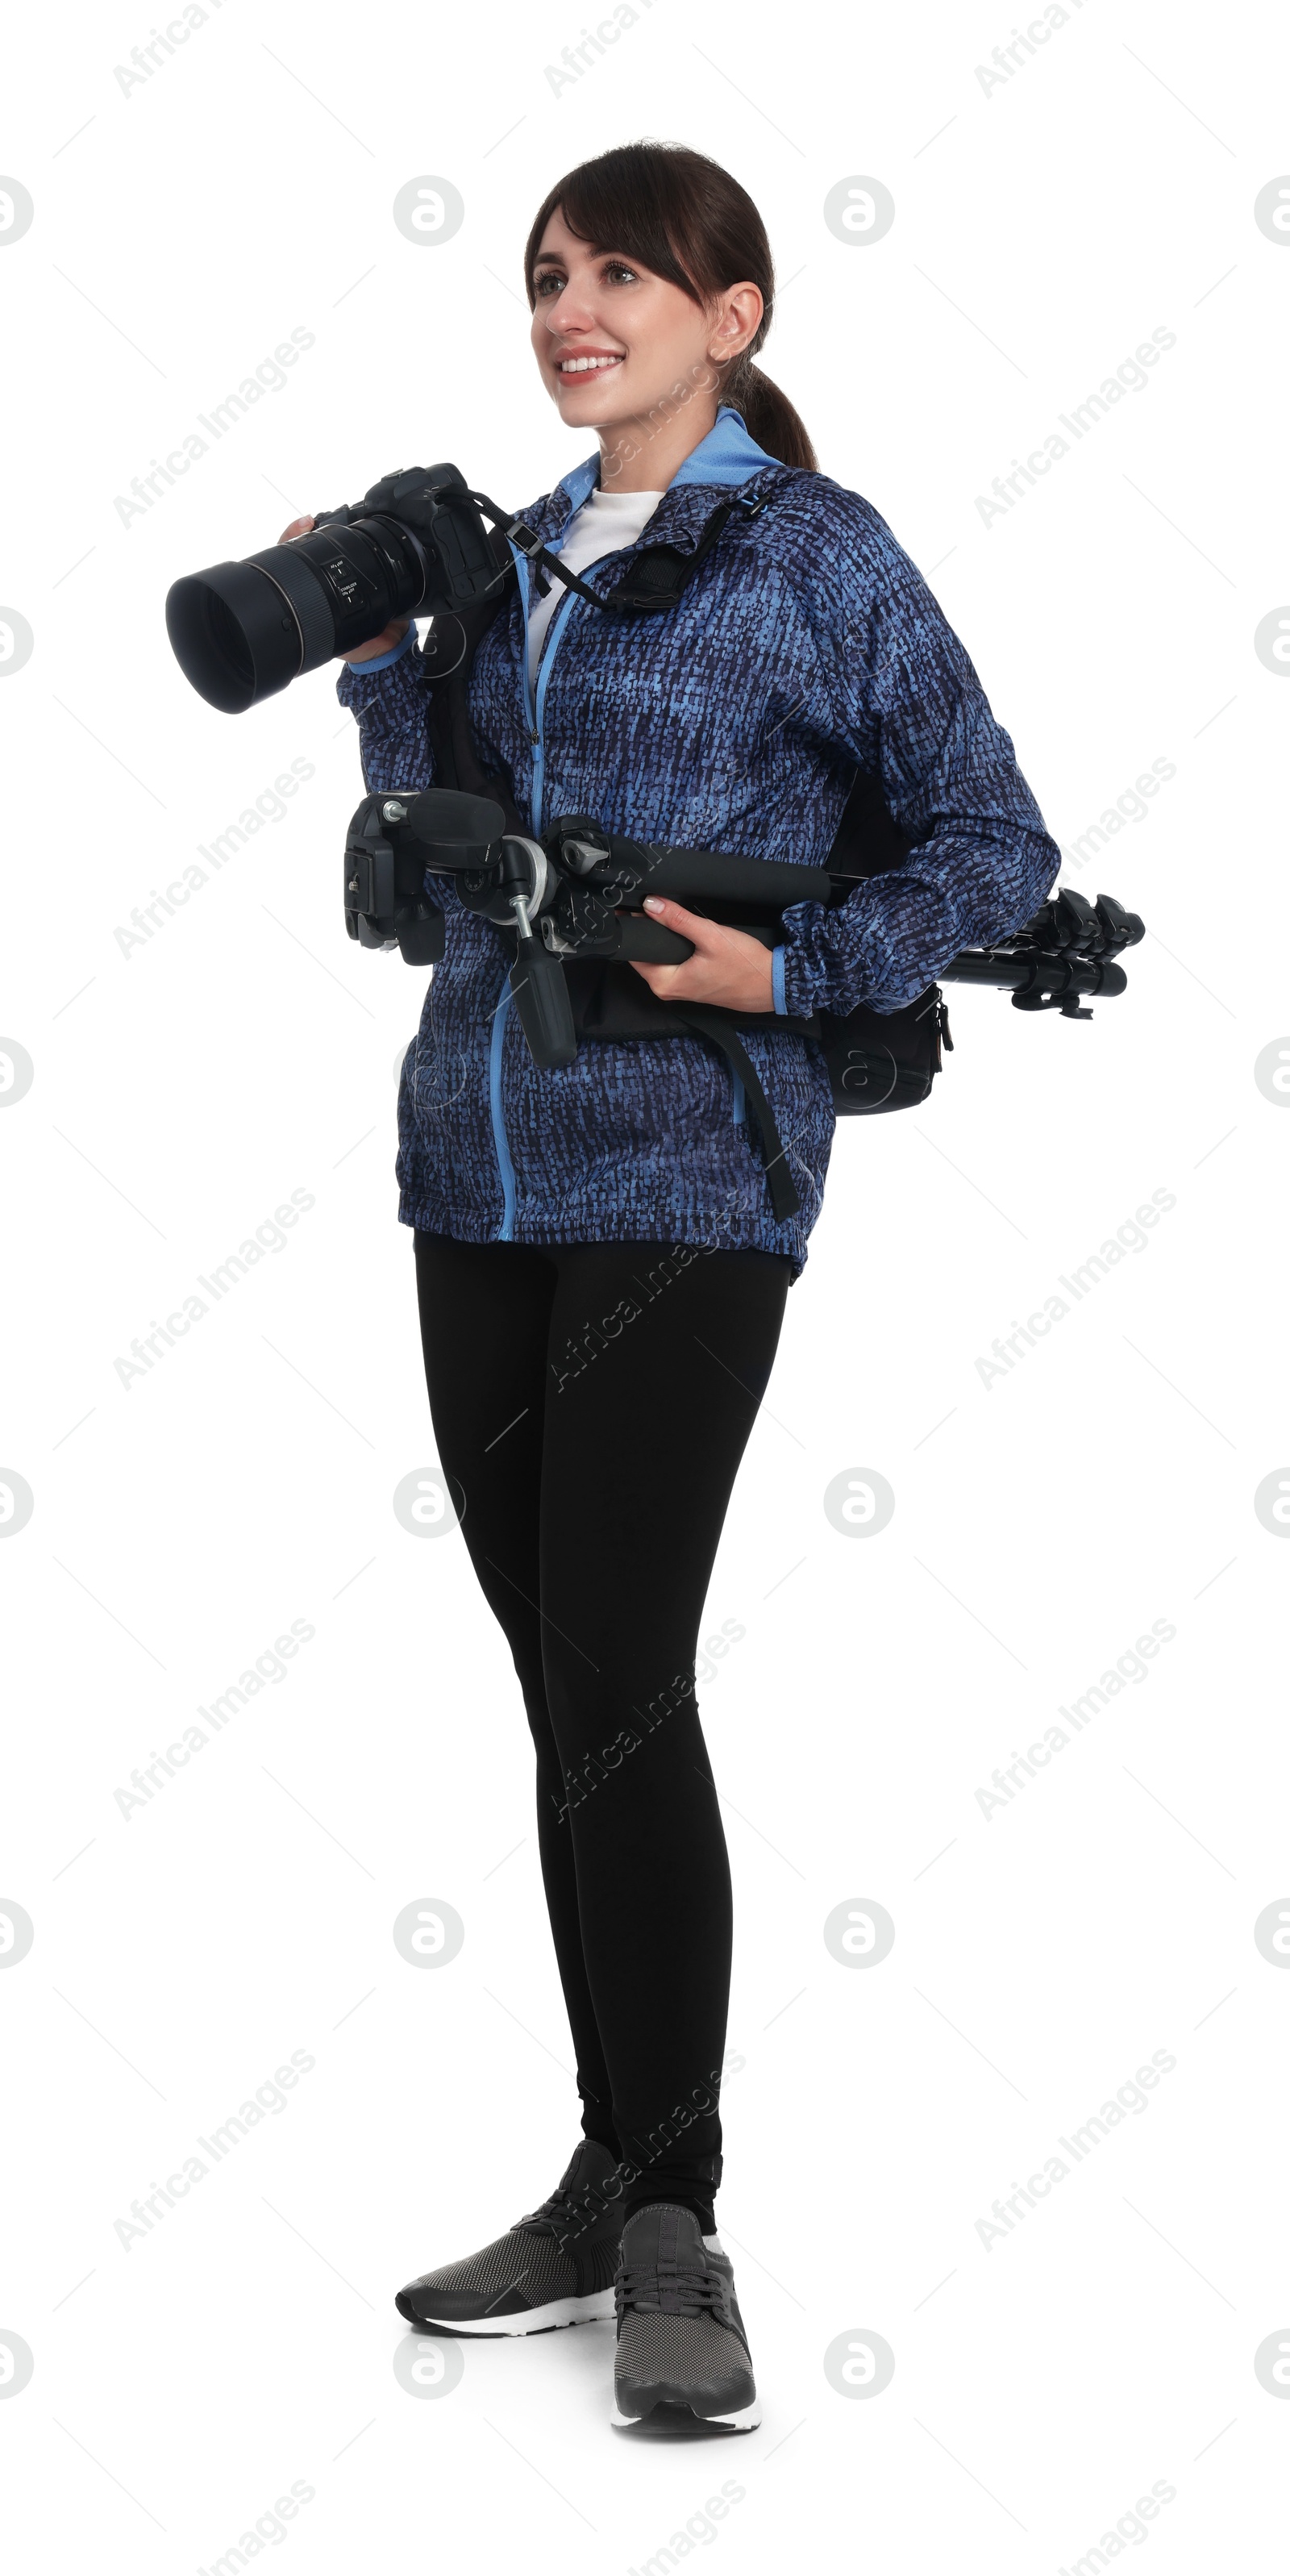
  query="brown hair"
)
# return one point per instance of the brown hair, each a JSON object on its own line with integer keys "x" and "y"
{"x": 685, "y": 218}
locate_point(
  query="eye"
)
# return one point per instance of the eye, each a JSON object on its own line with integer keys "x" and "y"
{"x": 616, "y": 269}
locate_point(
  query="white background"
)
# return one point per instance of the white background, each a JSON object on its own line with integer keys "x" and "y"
{"x": 181, "y": 1092}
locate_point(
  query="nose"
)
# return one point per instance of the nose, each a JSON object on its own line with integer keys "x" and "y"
{"x": 568, "y": 312}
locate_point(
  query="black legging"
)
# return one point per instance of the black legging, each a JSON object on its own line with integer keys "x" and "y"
{"x": 591, "y": 1402}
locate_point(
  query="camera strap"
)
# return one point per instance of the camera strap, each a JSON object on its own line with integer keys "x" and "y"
{"x": 655, "y": 578}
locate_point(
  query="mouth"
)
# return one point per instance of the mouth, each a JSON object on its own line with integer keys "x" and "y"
{"x": 578, "y": 367}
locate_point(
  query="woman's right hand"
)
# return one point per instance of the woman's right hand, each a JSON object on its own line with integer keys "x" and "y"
{"x": 384, "y": 642}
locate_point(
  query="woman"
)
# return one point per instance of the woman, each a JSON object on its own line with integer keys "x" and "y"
{"x": 601, "y": 1270}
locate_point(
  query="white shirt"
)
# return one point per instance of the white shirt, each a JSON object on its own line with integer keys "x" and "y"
{"x": 606, "y": 522}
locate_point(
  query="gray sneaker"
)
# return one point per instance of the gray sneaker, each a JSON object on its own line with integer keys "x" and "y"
{"x": 554, "y": 2267}
{"x": 681, "y": 2339}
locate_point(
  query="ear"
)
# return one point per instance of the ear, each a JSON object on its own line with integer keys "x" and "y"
{"x": 739, "y": 319}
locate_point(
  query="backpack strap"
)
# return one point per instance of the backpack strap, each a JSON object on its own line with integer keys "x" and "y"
{"x": 868, "y": 839}
{"x": 447, "y": 659}
{"x": 718, "y": 1026}
{"x": 656, "y": 576}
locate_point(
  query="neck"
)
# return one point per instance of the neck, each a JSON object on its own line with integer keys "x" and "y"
{"x": 643, "y": 454}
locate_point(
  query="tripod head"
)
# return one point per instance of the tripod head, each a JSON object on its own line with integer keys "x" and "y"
{"x": 395, "y": 841}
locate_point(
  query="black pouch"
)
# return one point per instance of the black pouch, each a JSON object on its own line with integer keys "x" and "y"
{"x": 885, "y": 1060}
{"x": 880, "y": 1059}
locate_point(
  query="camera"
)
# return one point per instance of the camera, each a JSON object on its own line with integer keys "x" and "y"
{"x": 415, "y": 544}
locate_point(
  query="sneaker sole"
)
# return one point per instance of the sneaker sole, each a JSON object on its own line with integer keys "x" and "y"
{"x": 597, "y": 2305}
{"x": 745, "y": 2419}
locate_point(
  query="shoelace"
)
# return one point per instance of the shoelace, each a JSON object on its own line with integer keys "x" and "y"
{"x": 560, "y": 2212}
{"x": 688, "y": 2292}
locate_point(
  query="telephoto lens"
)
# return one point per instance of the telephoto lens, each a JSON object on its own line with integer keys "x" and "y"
{"x": 242, "y": 631}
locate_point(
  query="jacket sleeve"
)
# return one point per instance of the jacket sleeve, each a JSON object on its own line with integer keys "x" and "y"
{"x": 904, "y": 700}
{"x": 388, "y": 702}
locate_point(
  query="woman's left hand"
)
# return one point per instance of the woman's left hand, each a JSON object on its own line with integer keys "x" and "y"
{"x": 727, "y": 967}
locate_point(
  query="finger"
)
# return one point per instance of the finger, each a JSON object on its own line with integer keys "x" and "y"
{"x": 691, "y": 925}
{"x": 298, "y": 528}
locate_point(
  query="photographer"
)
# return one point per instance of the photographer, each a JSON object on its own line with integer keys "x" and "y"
{"x": 601, "y": 1269}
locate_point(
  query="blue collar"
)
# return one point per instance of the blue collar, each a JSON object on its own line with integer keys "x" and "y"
{"x": 727, "y": 455}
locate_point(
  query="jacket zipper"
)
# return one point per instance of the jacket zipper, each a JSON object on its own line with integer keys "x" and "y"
{"x": 506, "y": 1169}
{"x": 545, "y": 659}
{"x": 533, "y": 710}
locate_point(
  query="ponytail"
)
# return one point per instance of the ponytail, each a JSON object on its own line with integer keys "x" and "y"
{"x": 769, "y": 416}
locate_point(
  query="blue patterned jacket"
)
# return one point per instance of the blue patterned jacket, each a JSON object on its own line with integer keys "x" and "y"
{"x": 807, "y": 646}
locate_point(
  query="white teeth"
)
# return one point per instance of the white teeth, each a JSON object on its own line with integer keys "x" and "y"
{"x": 585, "y": 366}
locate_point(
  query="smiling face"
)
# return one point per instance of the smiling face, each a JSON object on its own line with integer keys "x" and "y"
{"x": 623, "y": 351}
